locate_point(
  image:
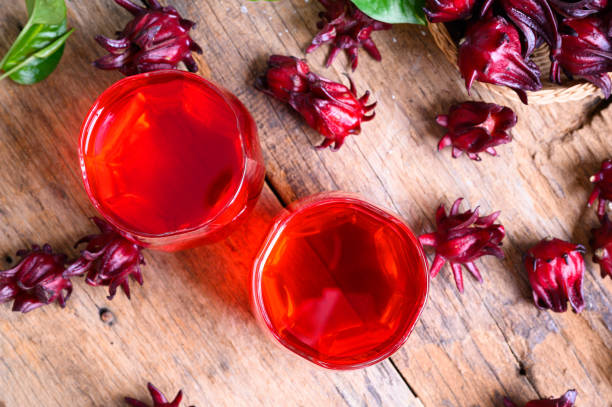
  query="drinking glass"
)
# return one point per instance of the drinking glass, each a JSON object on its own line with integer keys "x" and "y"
{"x": 339, "y": 281}
{"x": 170, "y": 159}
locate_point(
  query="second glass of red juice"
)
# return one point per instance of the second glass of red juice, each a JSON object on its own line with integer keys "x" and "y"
{"x": 339, "y": 281}
{"x": 170, "y": 159}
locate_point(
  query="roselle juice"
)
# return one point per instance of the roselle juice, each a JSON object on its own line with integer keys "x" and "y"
{"x": 340, "y": 282}
{"x": 170, "y": 159}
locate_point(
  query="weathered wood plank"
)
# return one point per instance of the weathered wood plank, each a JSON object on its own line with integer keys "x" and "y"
{"x": 477, "y": 343}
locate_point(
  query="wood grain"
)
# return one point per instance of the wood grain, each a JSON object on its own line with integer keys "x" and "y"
{"x": 190, "y": 325}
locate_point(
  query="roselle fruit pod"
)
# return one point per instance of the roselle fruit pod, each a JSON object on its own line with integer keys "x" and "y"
{"x": 475, "y": 127}
{"x": 159, "y": 400}
{"x": 536, "y": 20}
{"x": 491, "y": 53}
{"x": 157, "y": 38}
{"x": 333, "y": 110}
{"x": 346, "y": 27}
{"x": 329, "y": 107}
{"x": 578, "y": 9}
{"x": 567, "y": 400}
{"x": 585, "y": 52}
{"x": 109, "y": 259}
{"x": 603, "y": 189}
{"x": 36, "y": 281}
{"x": 284, "y": 76}
{"x": 601, "y": 243}
{"x": 555, "y": 270}
{"x": 462, "y": 238}
{"x": 443, "y": 11}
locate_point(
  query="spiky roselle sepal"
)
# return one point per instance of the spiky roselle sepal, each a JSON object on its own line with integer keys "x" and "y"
{"x": 476, "y": 127}
{"x": 329, "y": 107}
{"x": 567, "y": 400}
{"x": 585, "y": 51}
{"x": 579, "y": 9}
{"x": 157, "y": 38}
{"x": 159, "y": 400}
{"x": 346, "y": 27}
{"x": 555, "y": 270}
{"x": 491, "y": 53}
{"x": 601, "y": 242}
{"x": 603, "y": 188}
{"x": 109, "y": 259}
{"x": 535, "y": 19}
{"x": 462, "y": 238}
{"x": 443, "y": 11}
{"x": 36, "y": 281}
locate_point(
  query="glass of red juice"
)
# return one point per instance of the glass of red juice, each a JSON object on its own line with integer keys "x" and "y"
{"x": 170, "y": 159}
{"x": 339, "y": 281}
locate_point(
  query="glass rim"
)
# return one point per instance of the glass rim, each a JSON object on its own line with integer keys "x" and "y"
{"x": 94, "y": 112}
{"x": 279, "y": 224}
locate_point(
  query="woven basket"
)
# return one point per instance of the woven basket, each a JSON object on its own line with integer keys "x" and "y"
{"x": 550, "y": 92}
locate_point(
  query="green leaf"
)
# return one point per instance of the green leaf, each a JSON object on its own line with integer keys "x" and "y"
{"x": 394, "y": 11}
{"x": 39, "y": 47}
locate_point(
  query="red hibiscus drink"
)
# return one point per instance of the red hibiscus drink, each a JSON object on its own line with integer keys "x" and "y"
{"x": 339, "y": 281}
{"x": 170, "y": 159}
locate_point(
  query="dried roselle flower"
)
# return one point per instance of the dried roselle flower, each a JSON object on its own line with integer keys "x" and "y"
{"x": 580, "y": 8}
{"x": 285, "y": 76}
{"x": 36, "y": 281}
{"x": 474, "y": 127}
{"x": 555, "y": 269}
{"x": 462, "y": 238}
{"x": 536, "y": 20}
{"x": 330, "y": 108}
{"x": 443, "y": 11}
{"x": 585, "y": 52}
{"x": 159, "y": 400}
{"x": 346, "y": 27}
{"x": 601, "y": 242}
{"x": 603, "y": 188}
{"x": 157, "y": 38}
{"x": 567, "y": 400}
{"x": 491, "y": 53}
{"x": 109, "y": 259}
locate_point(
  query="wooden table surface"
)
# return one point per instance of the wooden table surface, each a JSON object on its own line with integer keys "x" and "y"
{"x": 190, "y": 326}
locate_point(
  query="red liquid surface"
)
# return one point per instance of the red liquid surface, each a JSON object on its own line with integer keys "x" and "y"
{"x": 343, "y": 284}
{"x": 163, "y": 155}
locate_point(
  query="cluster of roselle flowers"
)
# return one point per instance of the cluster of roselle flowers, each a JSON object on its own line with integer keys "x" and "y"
{"x": 330, "y": 108}
{"x": 345, "y": 27}
{"x": 42, "y": 277}
{"x": 555, "y": 268}
{"x": 502, "y": 35}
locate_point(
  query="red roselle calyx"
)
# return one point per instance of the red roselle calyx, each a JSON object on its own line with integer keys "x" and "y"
{"x": 491, "y": 53}
{"x": 535, "y": 19}
{"x": 474, "y": 127}
{"x": 157, "y": 38}
{"x": 330, "y": 108}
{"x": 586, "y": 51}
{"x": 36, "y": 281}
{"x": 461, "y": 238}
{"x": 556, "y": 269}
{"x": 567, "y": 400}
{"x": 159, "y": 400}
{"x": 346, "y": 27}
{"x": 579, "y": 9}
{"x": 442, "y": 11}
{"x": 603, "y": 188}
{"x": 601, "y": 242}
{"x": 109, "y": 259}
